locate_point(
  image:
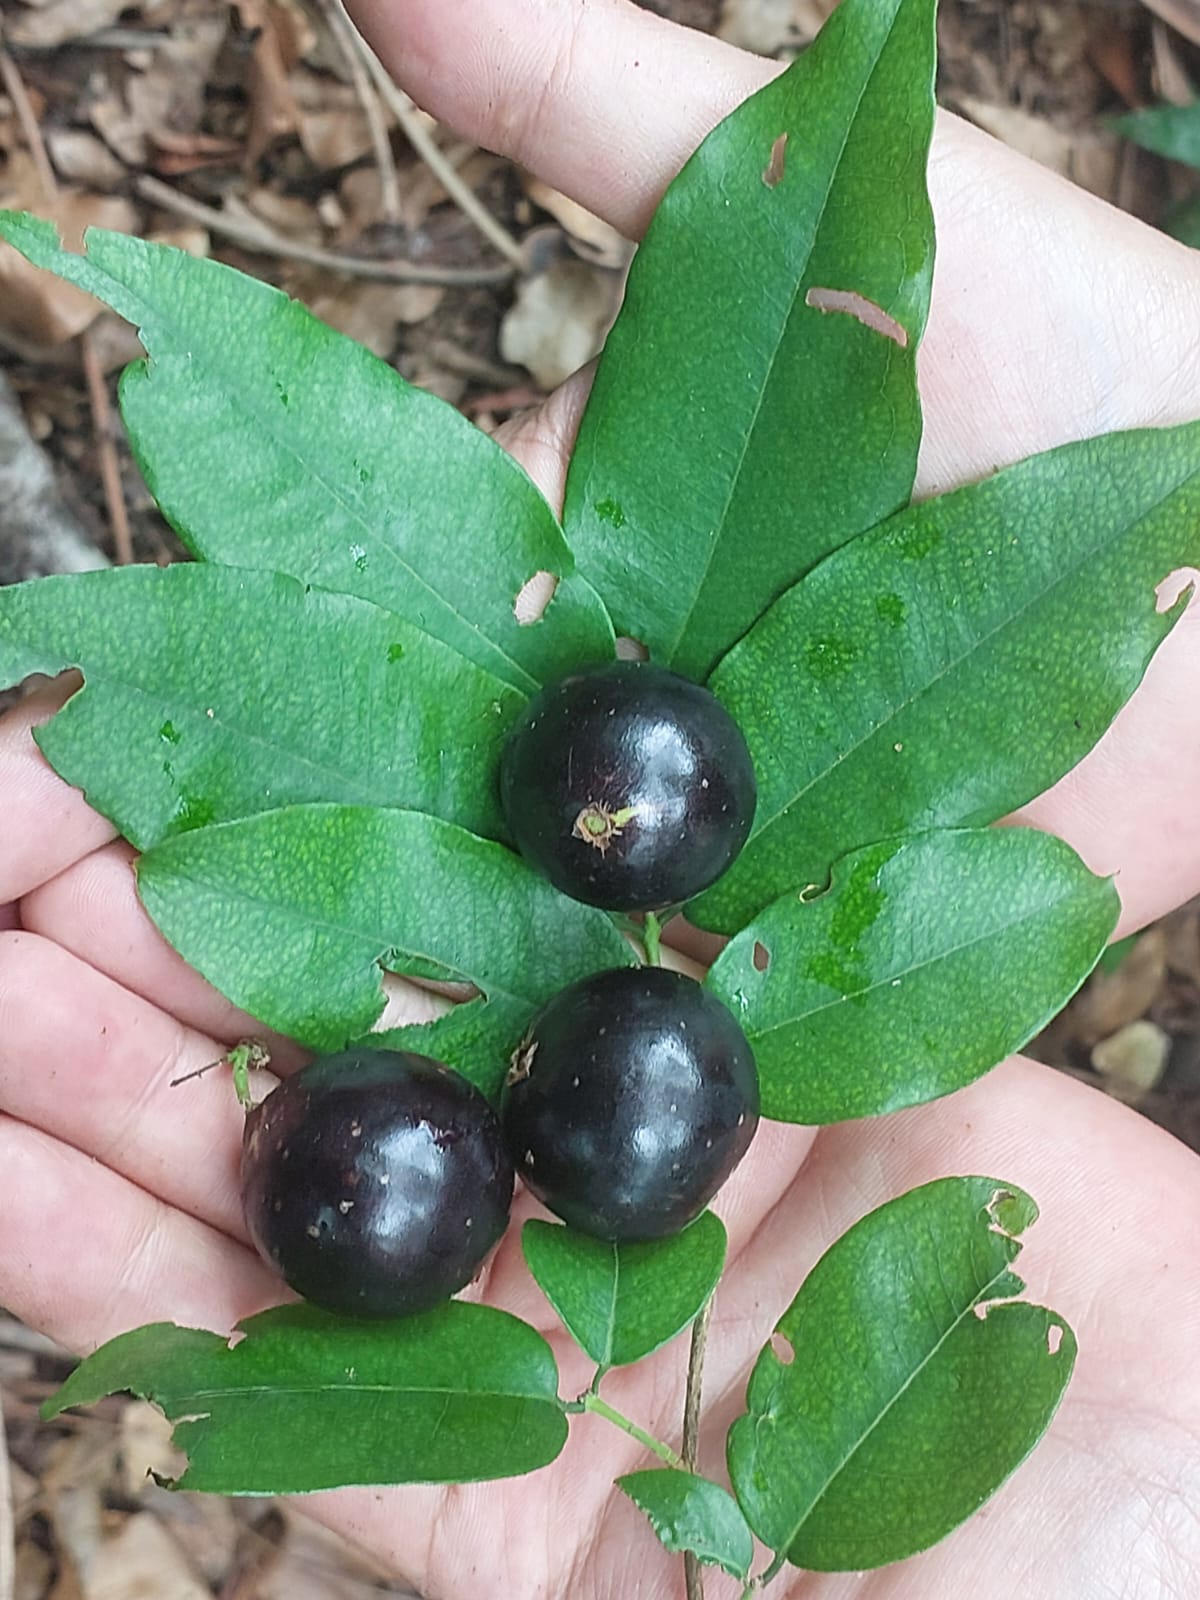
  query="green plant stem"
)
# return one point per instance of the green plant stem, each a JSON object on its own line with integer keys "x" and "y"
{"x": 592, "y": 1402}
{"x": 652, "y": 940}
{"x": 757, "y": 1584}
{"x": 693, "y": 1577}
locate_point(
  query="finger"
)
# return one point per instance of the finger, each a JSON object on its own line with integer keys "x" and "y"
{"x": 90, "y": 1254}
{"x": 90, "y": 1064}
{"x": 47, "y": 824}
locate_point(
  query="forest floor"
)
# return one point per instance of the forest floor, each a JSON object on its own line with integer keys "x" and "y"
{"x": 252, "y": 130}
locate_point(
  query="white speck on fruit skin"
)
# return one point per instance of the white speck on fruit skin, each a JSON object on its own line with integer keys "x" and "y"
{"x": 313, "y": 1231}
{"x": 708, "y": 1144}
{"x": 356, "y": 1130}
{"x": 345, "y": 1206}
{"x": 384, "y": 1179}
{"x": 741, "y": 1118}
{"x": 470, "y": 1222}
{"x": 529, "y": 1158}
{"x": 574, "y": 1083}
{"x": 674, "y": 1106}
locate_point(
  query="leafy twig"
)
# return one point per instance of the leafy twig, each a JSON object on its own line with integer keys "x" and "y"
{"x": 265, "y": 241}
{"x": 601, "y": 1408}
{"x": 427, "y": 147}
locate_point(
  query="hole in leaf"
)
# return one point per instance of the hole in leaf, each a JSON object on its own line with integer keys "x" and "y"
{"x": 861, "y": 309}
{"x": 1175, "y": 587}
{"x": 631, "y": 649}
{"x": 1054, "y": 1338}
{"x": 534, "y": 595}
{"x": 781, "y": 1349}
{"x": 773, "y": 171}
{"x": 761, "y": 957}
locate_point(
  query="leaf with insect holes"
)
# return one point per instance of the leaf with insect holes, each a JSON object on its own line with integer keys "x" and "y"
{"x": 272, "y": 441}
{"x": 292, "y": 914}
{"x": 213, "y": 693}
{"x": 882, "y": 992}
{"x": 949, "y": 665}
{"x": 304, "y": 1400}
{"x": 689, "y": 1512}
{"x": 903, "y": 1384}
{"x": 621, "y": 1301}
{"x": 756, "y": 402}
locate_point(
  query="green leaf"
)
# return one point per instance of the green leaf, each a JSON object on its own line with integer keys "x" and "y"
{"x": 1182, "y": 222}
{"x": 214, "y": 693}
{"x": 308, "y": 1401}
{"x": 688, "y": 1512}
{"x": 946, "y": 667}
{"x": 621, "y": 1301}
{"x": 291, "y": 914}
{"x": 883, "y": 992}
{"x": 1171, "y": 131}
{"x": 269, "y": 440}
{"x": 898, "y": 1394}
{"x": 737, "y": 432}
{"x": 476, "y": 1038}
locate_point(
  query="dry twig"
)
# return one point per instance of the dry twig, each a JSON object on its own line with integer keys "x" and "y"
{"x": 102, "y": 419}
{"x": 353, "y": 51}
{"x": 692, "y": 1575}
{"x": 427, "y": 147}
{"x": 7, "y": 1540}
{"x": 261, "y": 239}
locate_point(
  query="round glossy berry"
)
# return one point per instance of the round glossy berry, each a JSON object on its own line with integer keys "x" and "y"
{"x": 629, "y": 787}
{"x": 629, "y": 1102}
{"x": 375, "y": 1181}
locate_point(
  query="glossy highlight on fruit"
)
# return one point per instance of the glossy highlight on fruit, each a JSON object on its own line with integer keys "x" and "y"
{"x": 629, "y": 787}
{"x": 629, "y": 1102}
{"x": 375, "y": 1181}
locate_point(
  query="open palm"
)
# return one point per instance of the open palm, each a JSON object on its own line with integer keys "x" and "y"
{"x": 1053, "y": 318}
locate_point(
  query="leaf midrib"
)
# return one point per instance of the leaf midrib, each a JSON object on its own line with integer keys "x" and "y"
{"x": 920, "y": 1367}
{"x": 1127, "y": 530}
{"x": 785, "y": 324}
{"x": 252, "y": 1390}
{"x": 1056, "y": 904}
{"x": 162, "y": 325}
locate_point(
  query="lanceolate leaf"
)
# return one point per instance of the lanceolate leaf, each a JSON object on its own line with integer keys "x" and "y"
{"x": 272, "y": 441}
{"x": 307, "y": 1401}
{"x": 953, "y": 663}
{"x": 756, "y": 402}
{"x": 621, "y": 1301}
{"x": 897, "y": 1395}
{"x": 213, "y": 693}
{"x": 688, "y": 1512}
{"x": 928, "y": 961}
{"x": 293, "y": 913}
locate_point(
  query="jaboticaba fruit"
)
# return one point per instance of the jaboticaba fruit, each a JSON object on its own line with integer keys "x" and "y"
{"x": 628, "y": 786}
{"x": 375, "y": 1181}
{"x": 629, "y": 1102}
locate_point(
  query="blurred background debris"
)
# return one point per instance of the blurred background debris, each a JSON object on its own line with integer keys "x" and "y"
{"x": 264, "y": 132}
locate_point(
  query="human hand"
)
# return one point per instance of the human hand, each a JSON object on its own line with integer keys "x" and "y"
{"x": 122, "y": 1196}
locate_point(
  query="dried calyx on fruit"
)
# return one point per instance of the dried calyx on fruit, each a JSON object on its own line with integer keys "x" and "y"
{"x": 629, "y": 787}
{"x": 630, "y": 1101}
{"x": 375, "y": 1181}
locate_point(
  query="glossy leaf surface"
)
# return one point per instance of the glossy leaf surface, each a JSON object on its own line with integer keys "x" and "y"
{"x": 689, "y": 1512}
{"x": 621, "y": 1301}
{"x": 270, "y": 440}
{"x": 214, "y": 693}
{"x": 309, "y": 1401}
{"x": 293, "y": 914}
{"x": 929, "y": 960}
{"x": 746, "y": 417}
{"x": 896, "y": 1395}
{"x": 946, "y": 667}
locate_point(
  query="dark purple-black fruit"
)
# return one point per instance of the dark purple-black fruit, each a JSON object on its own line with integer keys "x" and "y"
{"x": 629, "y": 787}
{"x": 630, "y": 1101}
{"x": 375, "y": 1181}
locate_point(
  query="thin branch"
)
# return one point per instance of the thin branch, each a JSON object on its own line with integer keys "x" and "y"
{"x": 265, "y": 241}
{"x": 427, "y": 147}
{"x": 354, "y": 51}
{"x": 110, "y": 465}
{"x": 693, "y": 1577}
{"x": 7, "y": 1538}
{"x": 14, "y": 86}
